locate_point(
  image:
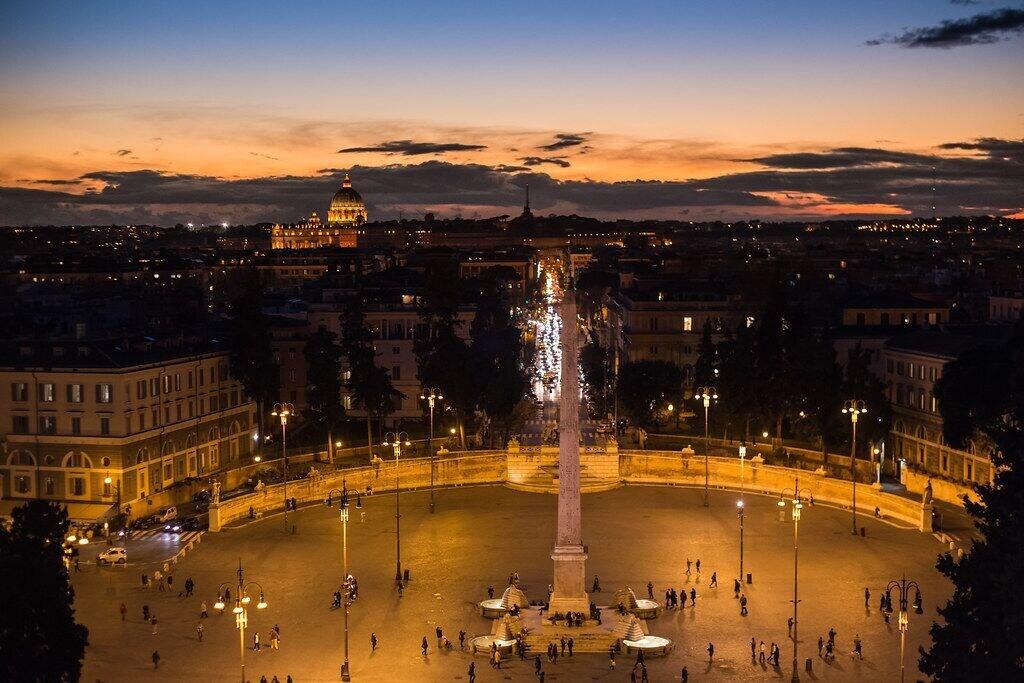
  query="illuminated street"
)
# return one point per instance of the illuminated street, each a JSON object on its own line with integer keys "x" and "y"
{"x": 477, "y": 537}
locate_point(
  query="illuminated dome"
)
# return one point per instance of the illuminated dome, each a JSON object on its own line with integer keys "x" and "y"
{"x": 347, "y": 207}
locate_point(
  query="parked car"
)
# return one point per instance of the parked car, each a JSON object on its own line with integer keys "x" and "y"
{"x": 115, "y": 555}
{"x": 164, "y": 515}
{"x": 193, "y": 523}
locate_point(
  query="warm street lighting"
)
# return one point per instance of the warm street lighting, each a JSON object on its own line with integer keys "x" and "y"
{"x": 903, "y": 586}
{"x": 431, "y": 396}
{"x": 797, "y": 508}
{"x": 282, "y": 411}
{"x": 854, "y": 408}
{"x": 343, "y": 515}
{"x": 396, "y": 441}
{"x": 739, "y": 513}
{"x": 707, "y": 395}
{"x": 243, "y": 596}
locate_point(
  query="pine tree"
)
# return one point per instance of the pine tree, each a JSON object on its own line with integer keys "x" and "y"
{"x": 39, "y": 639}
{"x": 323, "y": 381}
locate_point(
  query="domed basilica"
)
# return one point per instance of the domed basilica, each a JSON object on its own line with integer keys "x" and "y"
{"x": 347, "y": 211}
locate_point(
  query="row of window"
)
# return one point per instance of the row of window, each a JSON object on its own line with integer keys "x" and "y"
{"x": 104, "y": 392}
{"x": 914, "y": 398}
{"x": 912, "y": 370}
{"x": 75, "y": 393}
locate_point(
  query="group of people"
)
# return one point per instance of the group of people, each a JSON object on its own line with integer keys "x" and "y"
{"x": 672, "y": 599}
{"x": 758, "y": 652}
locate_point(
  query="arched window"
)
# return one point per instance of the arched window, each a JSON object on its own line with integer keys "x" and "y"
{"x": 233, "y": 428}
{"x": 167, "y": 448}
{"x": 214, "y": 435}
{"x": 190, "y": 441}
{"x": 921, "y": 433}
{"x": 48, "y": 461}
{"x": 77, "y": 460}
{"x": 21, "y": 458}
{"x": 141, "y": 456}
{"x": 899, "y": 428}
{"x": 971, "y": 448}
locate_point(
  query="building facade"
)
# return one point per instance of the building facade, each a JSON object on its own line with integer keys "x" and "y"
{"x": 85, "y": 418}
{"x": 346, "y": 213}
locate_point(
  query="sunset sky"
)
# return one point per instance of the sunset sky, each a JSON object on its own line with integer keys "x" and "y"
{"x": 206, "y": 111}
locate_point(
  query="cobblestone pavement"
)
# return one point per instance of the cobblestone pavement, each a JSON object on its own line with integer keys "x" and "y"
{"x": 477, "y": 537}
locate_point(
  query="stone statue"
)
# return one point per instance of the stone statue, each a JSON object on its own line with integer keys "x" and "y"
{"x": 513, "y": 443}
{"x": 926, "y": 497}
{"x": 215, "y": 494}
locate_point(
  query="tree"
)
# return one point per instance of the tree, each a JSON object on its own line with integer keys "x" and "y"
{"x": 595, "y": 363}
{"x": 252, "y": 352}
{"x": 357, "y": 347}
{"x": 707, "y": 359}
{"x": 323, "y": 382}
{"x": 374, "y": 393}
{"x": 982, "y": 394}
{"x": 39, "y": 639}
{"x": 648, "y": 386}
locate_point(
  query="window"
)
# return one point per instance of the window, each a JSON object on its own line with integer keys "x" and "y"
{"x": 885, "y": 319}
{"x": 177, "y": 381}
{"x": 944, "y": 461}
{"x": 142, "y": 420}
{"x": 74, "y": 393}
{"x": 899, "y": 368}
{"x": 140, "y": 389}
{"x": 202, "y": 376}
{"x": 19, "y": 391}
{"x": 213, "y": 402}
{"x": 76, "y": 425}
{"x": 167, "y": 415}
{"x": 860, "y": 320}
{"x": 920, "y": 399}
{"x": 910, "y": 370}
{"x": 48, "y": 486}
{"x": 750, "y": 321}
{"x": 189, "y": 377}
{"x": 935, "y": 404}
{"x": 687, "y": 323}
{"x": 156, "y": 417}
{"x": 234, "y": 397}
{"x": 19, "y": 424}
{"x": 395, "y": 350}
{"x": 931, "y": 373}
{"x": 22, "y": 484}
{"x": 223, "y": 372}
{"x": 396, "y": 372}
{"x": 47, "y": 392}
{"x": 653, "y": 324}
{"x": 168, "y": 474}
{"x": 165, "y": 384}
{"x": 970, "y": 471}
{"x": 47, "y": 424}
{"x": 154, "y": 386}
{"x": 177, "y": 412}
{"x": 77, "y": 486}
{"x": 654, "y": 350}
{"x": 104, "y": 393}
{"x": 889, "y": 366}
{"x": 933, "y": 318}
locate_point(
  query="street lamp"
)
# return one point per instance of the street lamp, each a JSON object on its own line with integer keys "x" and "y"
{"x": 431, "y": 396}
{"x": 396, "y": 441}
{"x": 117, "y": 495}
{"x": 797, "y": 508}
{"x": 739, "y": 513}
{"x": 243, "y": 597}
{"x": 343, "y": 510}
{"x": 706, "y": 394}
{"x": 903, "y": 586}
{"x": 283, "y": 410}
{"x": 854, "y": 407}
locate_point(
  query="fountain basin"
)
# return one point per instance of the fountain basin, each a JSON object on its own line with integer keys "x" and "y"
{"x": 650, "y": 645}
{"x": 491, "y": 609}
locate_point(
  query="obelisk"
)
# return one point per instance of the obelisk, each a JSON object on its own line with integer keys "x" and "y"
{"x": 570, "y": 593}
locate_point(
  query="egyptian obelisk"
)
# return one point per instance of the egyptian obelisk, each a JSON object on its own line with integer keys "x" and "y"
{"x": 570, "y": 557}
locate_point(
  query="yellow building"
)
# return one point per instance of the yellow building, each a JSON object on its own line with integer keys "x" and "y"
{"x": 347, "y": 211}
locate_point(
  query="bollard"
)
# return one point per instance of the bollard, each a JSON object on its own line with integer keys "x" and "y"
{"x": 862, "y": 530}
{"x": 750, "y": 578}
{"x": 405, "y": 576}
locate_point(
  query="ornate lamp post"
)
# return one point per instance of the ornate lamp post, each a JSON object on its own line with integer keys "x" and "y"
{"x": 854, "y": 408}
{"x": 283, "y": 410}
{"x": 343, "y": 513}
{"x": 903, "y": 587}
{"x": 243, "y": 597}
{"x": 707, "y": 395}
{"x": 396, "y": 441}
{"x": 117, "y": 497}
{"x": 739, "y": 513}
{"x": 797, "y": 508}
{"x": 431, "y": 396}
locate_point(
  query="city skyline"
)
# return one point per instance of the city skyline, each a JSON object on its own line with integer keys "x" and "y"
{"x": 162, "y": 115}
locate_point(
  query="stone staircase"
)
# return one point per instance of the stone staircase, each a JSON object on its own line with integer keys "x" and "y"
{"x": 586, "y": 639}
{"x": 545, "y": 480}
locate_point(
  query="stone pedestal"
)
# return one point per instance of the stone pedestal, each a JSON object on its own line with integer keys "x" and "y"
{"x": 926, "y": 517}
{"x": 570, "y": 594}
{"x": 215, "y": 523}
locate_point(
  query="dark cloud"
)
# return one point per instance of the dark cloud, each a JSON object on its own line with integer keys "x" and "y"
{"x": 964, "y": 2}
{"x": 123, "y": 152}
{"x": 564, "y": 140}
{"x": 539, "y": 161}
{"x": 264, "y": 156}
{"x": 410, "y": 148}
{"x": 983, "y": 175}
{"x": 983, "y": 28}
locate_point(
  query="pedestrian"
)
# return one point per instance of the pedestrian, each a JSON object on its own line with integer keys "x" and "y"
{"x": 541, "y": 677}
{"x": 597, "y": 585}
{"x": 490, "y": 592}
{"x": 611, "y": 658}
{"x": 156, "y": 659}
{"x": 497, "y": 658}
{"x": 263, "y": 679}
{"x": 373, "y": 642}
{"x": 199, "y": 631}
{"x": 668, "y": 598}
{"x": 570, "y": 646}
{"x": 684, "y": 675}
{"x": 711, "y": 651}
{"x": 256, "y": 642}
{"x": 423, "y": 646}
{"x": 170, "y": 581}
{"x": 858, "y": 647}
{"x": 145, "y": 580}
{"x": 643, "y": 675}
{"x": 562, "y": 641}
{"x": 714, "y": 579}
{"x": 145, "y": 612}
{"x": 698, "y": 567}
{"x": 275, "y": 679}
{"x": 462, "y": 640}
{"x": 688, "y": 566}
{"x": 743, "y": 605}
{"x": 438, "y": 632}
{"x": 650, "y": 590}
{"x": 882, "y": 604}
{"x": 536, "y": 663}
{"x": 76, "y": 564}
{"x": 867, "y": 598}
{"x": 753, "y": 648}
{"x": 152, "y": 622}
{"x": 736, "y": 588}
{"x": 832, "y": 635}
{"x": 761, "y": 656}
{"x": 789, "y": 626}
{"x": 275, "y": 639}
{"x": 693, "y": 597}
{"x": 189, "y": 585}
{"x": 829, "y": 648}
{"x": 202, "y": 611}
{"x": 472, "y": 672}
{"x": 821, "y": 645}
{"x": 124, "y": 611}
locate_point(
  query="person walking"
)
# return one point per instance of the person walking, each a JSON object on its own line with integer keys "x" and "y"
{"x": 537, "y": 664}
{"x": 693, "y": 597}
{"x": 490, "y": 592}
{"x": 373, "y": 642}
{"x": 711, "y": 651}
{"x": 256, "y": 642}
{"x": 858, "y": 647}
{"x": 832, "y": 635}
{"x": 684, "y": 675}
{"x": 123, "y": 609}
{"x": 743, "y": 605}
{"x": 170, "y": 582}
{"x": 650, "y": 590}
{"x": 698, "y": 567}
{"x": 189, "y": 587}
{"x": 760, "y": 658}
{"x": 472, "y": 672}
{"x": 203, "y": 614}
{"x": 597, "y": 585}
{"x": 438, "y": 632}
{"x": 423, "y": 646}
{"x": 714, "y": 580}
{"x": 643, "y": 674}
{"x": 668, "y": 598}
{"x": 145, "y": 612}
{"x": 570, "y": 643}
{"x": 152, "y": 622}
{"x": 156, "y": 659}
{"x": 821, "y": 645}
{"x": 611, "y": 658}
{"x": 275, "y": 639}
{"x": 753, "y": 648}
{"x": 736, "y": 588}
{"x": 867, "y": 598}
{"x": 199, "y": 631}
{"x": 789, "y": 626}
{"x": 688, "y": 566}
{"x": 562, "y": 642}
{"x": 462, "y": 640}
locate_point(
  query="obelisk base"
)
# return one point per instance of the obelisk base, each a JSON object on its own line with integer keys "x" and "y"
{"x": 570, "y": 586}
